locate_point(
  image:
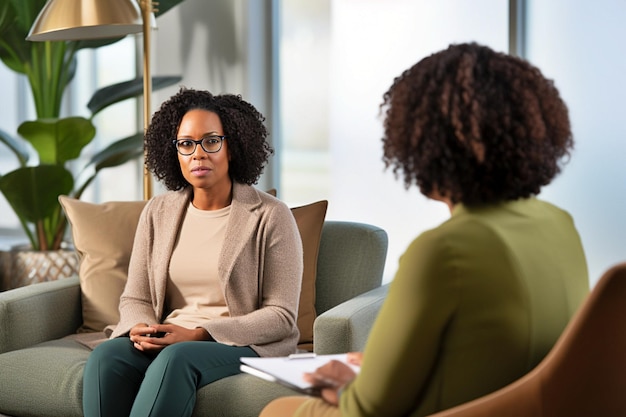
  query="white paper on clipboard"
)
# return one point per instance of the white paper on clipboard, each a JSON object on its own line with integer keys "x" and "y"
{"x": 289, "y": 371}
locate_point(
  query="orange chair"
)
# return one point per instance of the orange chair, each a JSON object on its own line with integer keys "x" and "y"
{"x": 583, "y": 375}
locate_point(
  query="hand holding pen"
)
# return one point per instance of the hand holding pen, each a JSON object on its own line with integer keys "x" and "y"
{"x": 333, "y": 376}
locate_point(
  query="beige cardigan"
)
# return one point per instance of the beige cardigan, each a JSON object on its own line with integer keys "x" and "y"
{"x": 260, "y": 269}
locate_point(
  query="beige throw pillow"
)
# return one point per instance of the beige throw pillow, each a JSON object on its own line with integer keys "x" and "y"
{"x": 103, "y": 236}
{"x": 310, "y": 220}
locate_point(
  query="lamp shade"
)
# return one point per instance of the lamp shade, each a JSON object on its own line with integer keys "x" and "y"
{"x": 87, "y": 19}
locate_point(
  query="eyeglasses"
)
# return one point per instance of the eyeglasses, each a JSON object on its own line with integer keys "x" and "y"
{"x": 210, "y": 144}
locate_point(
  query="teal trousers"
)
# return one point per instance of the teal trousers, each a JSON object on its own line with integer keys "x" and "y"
{"x": 120, "y": 380}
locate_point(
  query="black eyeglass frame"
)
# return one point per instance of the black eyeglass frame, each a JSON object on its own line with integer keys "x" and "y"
{"x": 199, "y": 142}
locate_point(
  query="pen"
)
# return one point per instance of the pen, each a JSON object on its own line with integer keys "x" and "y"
{"x": 305, "y": 355}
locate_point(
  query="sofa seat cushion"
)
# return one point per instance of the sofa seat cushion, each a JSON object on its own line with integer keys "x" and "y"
{"x": 223, "y": 398}
{"x": 43, "y": 380}
{"x": 46, "y": 380}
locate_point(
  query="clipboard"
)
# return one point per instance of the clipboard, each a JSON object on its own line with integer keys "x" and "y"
{"x": 288, "y": 370}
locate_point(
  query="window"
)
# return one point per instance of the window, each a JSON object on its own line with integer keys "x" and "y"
{"x": 338, "y": 57}
{"x": 579, "y": 45}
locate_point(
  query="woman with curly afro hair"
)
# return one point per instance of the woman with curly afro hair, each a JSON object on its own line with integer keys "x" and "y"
{"x": 478, "y": 301}
{"x": 215, "y": 270}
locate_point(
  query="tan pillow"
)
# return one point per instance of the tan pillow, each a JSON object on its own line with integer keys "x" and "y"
{"x": 310, "y": 220}
{"x": 103, "y": 236}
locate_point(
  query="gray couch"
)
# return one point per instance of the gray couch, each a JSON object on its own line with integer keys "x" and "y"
{"x": 41, "y": 361}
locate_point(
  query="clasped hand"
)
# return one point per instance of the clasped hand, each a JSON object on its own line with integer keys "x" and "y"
{"x": 331, "y": 377}
{"x": 155, "y": 337}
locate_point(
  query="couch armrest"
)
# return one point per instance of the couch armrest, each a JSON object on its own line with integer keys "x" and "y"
{"x": 39, "y": 312}
{"x": 345, "y": 327}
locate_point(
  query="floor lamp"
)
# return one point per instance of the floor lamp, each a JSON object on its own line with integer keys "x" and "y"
{"x": 93, "y": 19}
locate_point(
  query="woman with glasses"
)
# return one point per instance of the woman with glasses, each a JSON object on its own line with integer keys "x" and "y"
{"x": 479, "y": 300}
{"x": 215, "y": 270}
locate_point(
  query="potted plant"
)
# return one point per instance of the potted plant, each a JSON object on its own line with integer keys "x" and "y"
{"x": 32, "y": 190}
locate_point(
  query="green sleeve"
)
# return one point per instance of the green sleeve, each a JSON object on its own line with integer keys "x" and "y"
{"x": 403, "y": 345}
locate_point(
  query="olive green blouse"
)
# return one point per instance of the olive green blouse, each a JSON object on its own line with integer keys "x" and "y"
{"x": 476, "y": 303}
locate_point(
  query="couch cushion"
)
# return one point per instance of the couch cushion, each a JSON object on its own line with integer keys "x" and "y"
{"x": 46, "y": 380}
{"x": 103, "y": 236}
{"x": 310, "y": 220}
{"x": 224, "y": 397}
{"x": 43, "y": 380}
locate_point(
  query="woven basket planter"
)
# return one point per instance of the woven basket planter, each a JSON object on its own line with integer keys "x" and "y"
{"x": 21, "y": 266}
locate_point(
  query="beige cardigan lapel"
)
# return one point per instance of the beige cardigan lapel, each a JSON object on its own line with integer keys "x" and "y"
{"x": 171, "y": 217}
{"x": 243, "y": 223}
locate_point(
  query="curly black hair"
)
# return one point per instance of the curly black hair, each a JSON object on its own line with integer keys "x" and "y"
{"x": 242, "y": 123}
{"x": 475, "y": 125}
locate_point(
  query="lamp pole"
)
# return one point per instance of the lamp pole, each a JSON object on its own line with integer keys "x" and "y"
{"x": 146, "y": 13}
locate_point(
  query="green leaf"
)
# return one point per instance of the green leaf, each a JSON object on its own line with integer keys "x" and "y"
{"x": 6, "y": 15}
{"x": 33, "y": 191}
{"x": 165, "y": 5}
{"x": 119, "y": 153}
{"x": 26, "y": 12}
{"x": 96, "y": 43}
{"x": 58, "y": 140}
{"x": 115, "y": 93}
{"x": 16, "y": 18}
{"x": 18, "y": 147}
{"x": 13, "y": 52}
{"x": 116, "y": 154}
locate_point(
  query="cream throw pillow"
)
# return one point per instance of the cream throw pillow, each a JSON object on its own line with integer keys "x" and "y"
{"x": 103, "y": 236}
